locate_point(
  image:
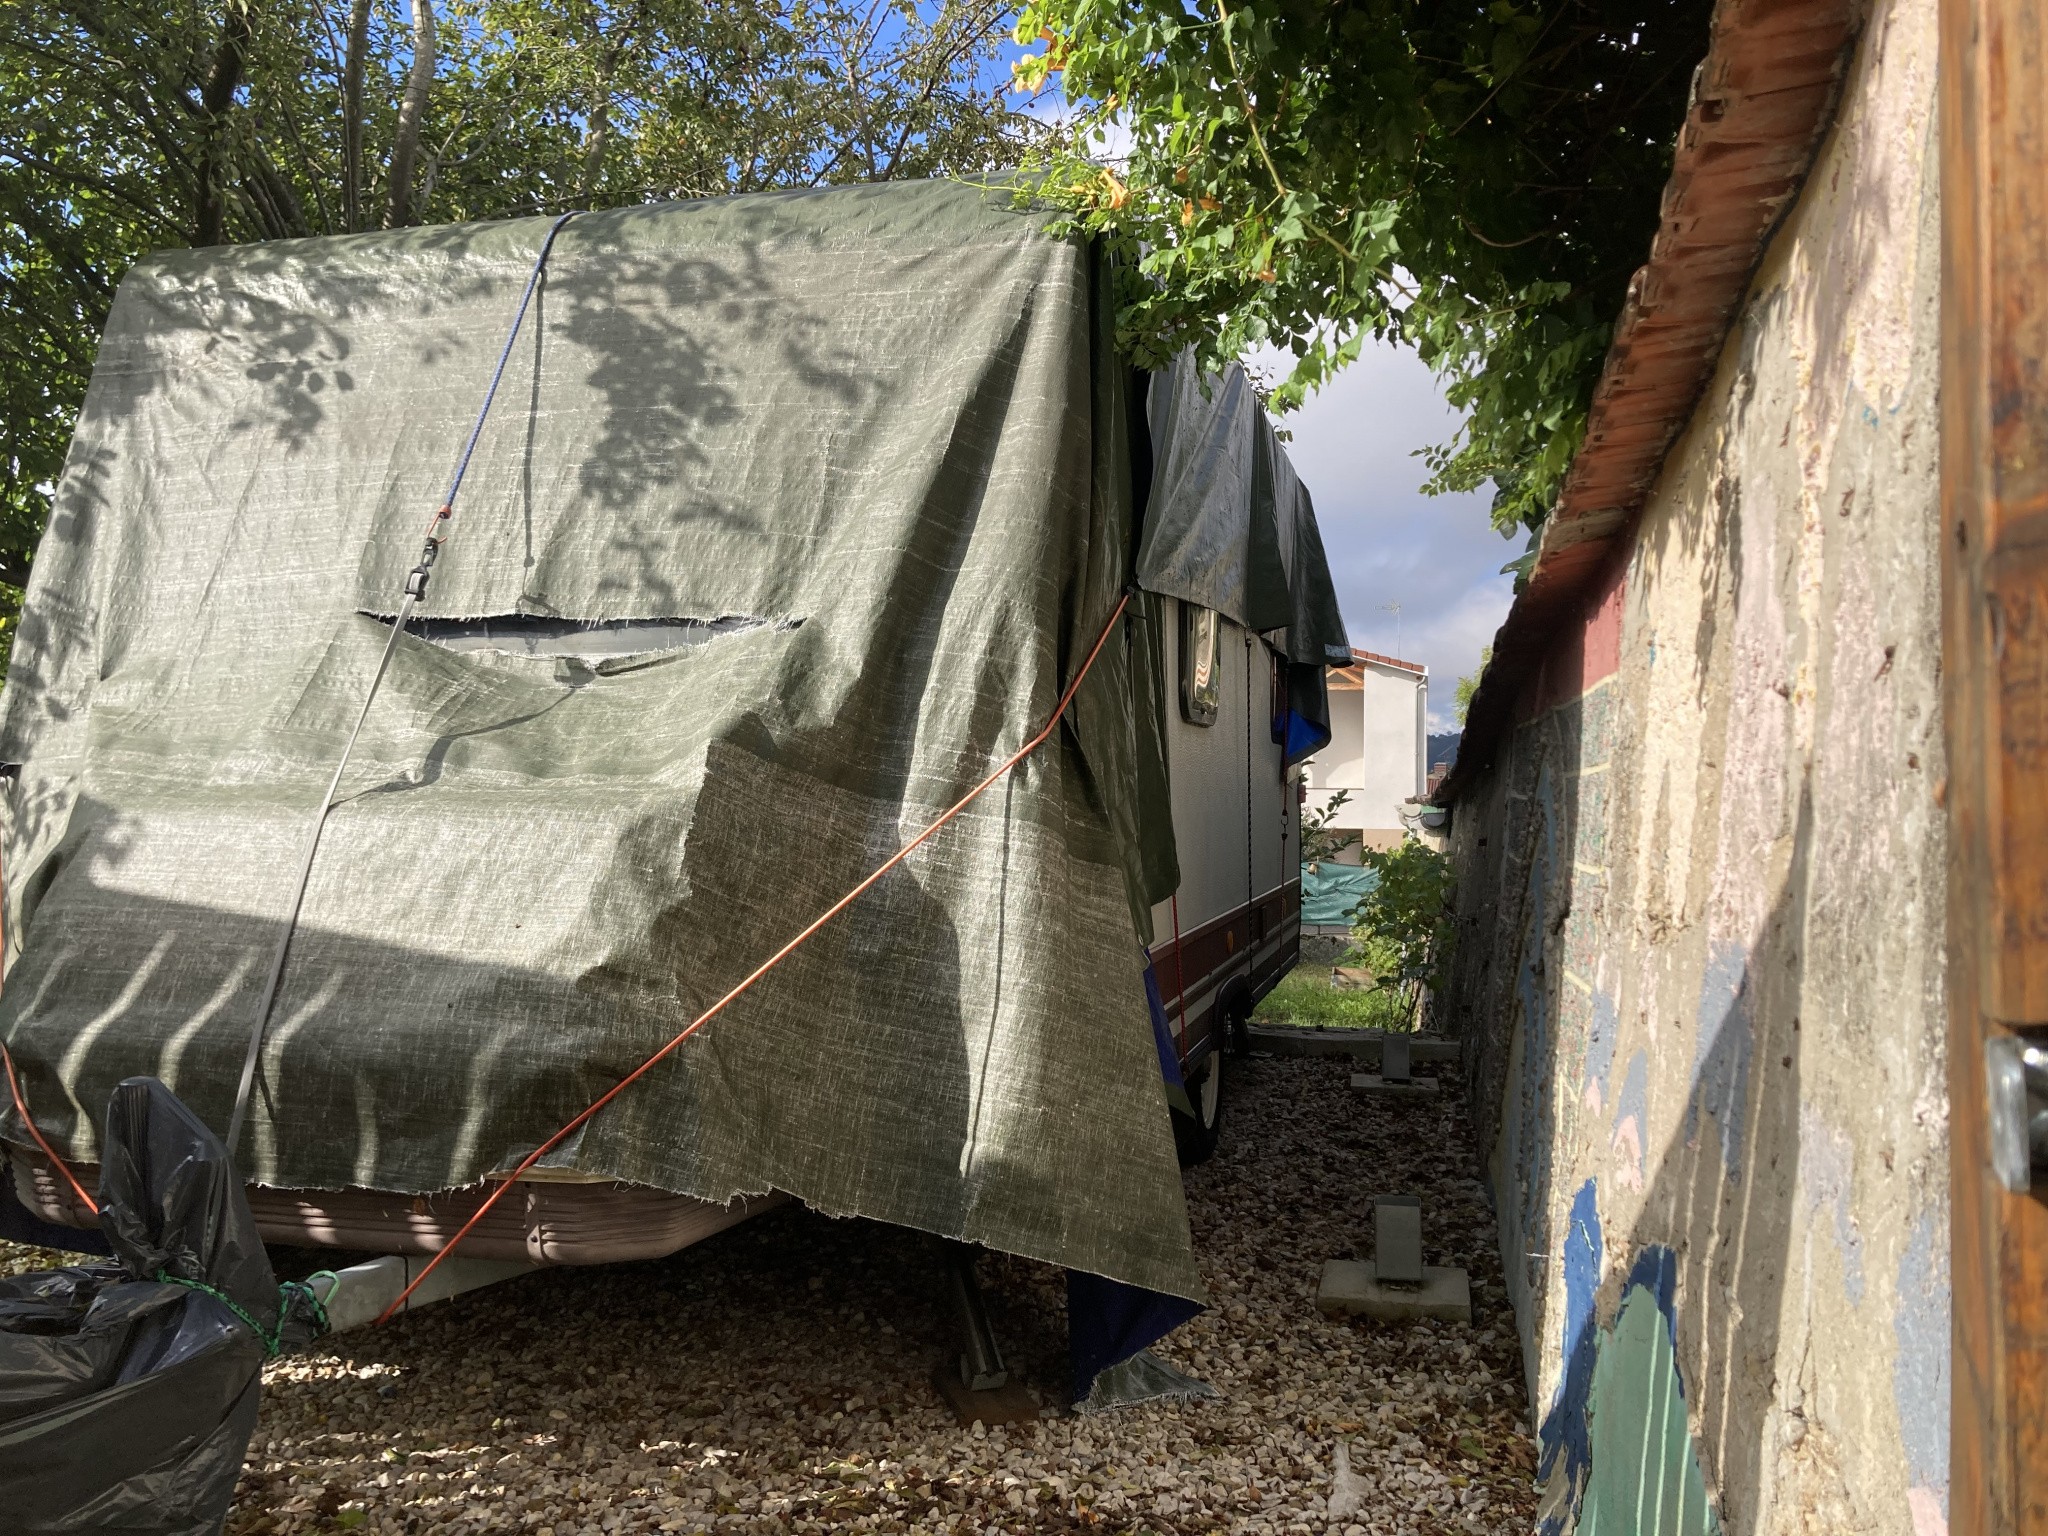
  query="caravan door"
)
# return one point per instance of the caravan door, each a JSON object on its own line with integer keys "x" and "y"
{"x": 1233, "y": 929}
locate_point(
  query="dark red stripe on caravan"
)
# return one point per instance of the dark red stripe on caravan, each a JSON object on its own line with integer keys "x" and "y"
{"x": 1258, "y": 940}
{"x": 1224, "y": 939}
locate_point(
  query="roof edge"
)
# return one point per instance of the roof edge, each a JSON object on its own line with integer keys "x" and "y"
{"x": 1762, "y": 101}
{"x": 1419, "y": 668}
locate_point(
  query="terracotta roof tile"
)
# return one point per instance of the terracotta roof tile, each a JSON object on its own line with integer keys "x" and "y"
{"x": 1763, "y": 99}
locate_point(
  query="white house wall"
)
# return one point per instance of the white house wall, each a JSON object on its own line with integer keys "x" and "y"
{"x": 1378, "y": 750}
{"x": 1395, "y": 745}
{"x": 1341, "y": 765}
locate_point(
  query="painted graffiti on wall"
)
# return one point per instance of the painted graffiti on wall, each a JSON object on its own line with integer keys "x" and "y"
{"x": 1700, "y": 887}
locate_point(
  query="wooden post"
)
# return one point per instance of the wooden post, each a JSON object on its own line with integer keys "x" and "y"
{"x": 1994, "y": 504}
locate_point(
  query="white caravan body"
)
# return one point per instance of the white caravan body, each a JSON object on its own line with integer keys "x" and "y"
{"x": 1233, "y": 929}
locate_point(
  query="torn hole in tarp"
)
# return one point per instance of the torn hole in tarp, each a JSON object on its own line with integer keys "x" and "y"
{"x": 588, "y": 640}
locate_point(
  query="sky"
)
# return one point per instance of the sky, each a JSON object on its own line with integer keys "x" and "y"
{"x": 1436, "y": 556}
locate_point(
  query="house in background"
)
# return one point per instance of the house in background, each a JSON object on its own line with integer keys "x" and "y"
{"x": 1378, "y": 751}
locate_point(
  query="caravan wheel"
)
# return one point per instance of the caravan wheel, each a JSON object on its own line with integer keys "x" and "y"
{"x": 1196, "y": 1137}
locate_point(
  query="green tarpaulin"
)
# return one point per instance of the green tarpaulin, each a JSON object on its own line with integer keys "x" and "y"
{"x": 1229, "y": 525}
{"x": 880, "y": 434}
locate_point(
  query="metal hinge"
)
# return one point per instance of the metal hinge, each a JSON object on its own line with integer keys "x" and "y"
{"x": 2016, "y": 1091}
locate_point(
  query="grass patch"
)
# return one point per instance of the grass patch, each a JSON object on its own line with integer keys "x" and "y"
{"x": 1306, "y": 999}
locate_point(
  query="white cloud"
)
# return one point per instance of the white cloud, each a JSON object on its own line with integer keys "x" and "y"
{"x": 1436, "y": 556}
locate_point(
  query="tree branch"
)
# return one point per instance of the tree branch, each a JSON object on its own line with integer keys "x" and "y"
{"x": 216, "y": 100}
{"x": 412, "y": 112}
{"x": 352, "y": 115}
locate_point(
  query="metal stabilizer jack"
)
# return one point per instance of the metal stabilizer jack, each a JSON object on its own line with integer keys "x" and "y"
{"x": 358, "y": 1295}
{"x": 980, "y": 1390}
{"x": 981, "y": 1358}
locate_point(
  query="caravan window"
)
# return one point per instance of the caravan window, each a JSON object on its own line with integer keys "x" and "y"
{"x": 1201, "y": 685}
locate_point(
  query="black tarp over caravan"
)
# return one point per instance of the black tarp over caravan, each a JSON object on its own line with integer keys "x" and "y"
{"x": 794, "y": 515}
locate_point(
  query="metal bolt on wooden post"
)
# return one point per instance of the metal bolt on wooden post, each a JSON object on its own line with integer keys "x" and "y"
{"x": 1994, "y": 510}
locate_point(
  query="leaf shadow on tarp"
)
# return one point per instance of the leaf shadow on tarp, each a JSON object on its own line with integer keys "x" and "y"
{"x": 466, "y": 1062}
{"x": 872, "y": 1014}
{"x": 276, "y": 314}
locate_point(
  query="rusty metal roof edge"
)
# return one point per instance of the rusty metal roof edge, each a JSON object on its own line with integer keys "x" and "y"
{"x": 1745, "y": 42}
{"x": 1358, "y": 656}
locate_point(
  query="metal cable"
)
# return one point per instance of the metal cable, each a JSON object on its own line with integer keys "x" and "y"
{"x": 415, "y": 590}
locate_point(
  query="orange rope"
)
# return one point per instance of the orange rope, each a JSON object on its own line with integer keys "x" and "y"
{"x": 765, "y": 966}
{"x": 14, "y": 1086}
{"x": 21, "y": 1109}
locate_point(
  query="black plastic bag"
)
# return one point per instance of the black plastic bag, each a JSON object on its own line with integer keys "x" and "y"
{"x": 128, "y": 1391}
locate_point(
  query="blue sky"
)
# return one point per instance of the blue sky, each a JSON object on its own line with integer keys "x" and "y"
{"x": 1436, "y": 556}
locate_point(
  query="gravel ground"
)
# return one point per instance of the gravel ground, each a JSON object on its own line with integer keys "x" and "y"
{"x": 777, "y": 1377}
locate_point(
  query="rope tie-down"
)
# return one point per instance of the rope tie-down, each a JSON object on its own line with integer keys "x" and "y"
{"x": 21, "y": 1110}
{"x": 570, "y": 1129}
{"x": 415, "y": 591}
{"x": 438, "y": 529}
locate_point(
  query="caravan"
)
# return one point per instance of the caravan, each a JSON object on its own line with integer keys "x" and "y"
{"x": 794, "y": 517}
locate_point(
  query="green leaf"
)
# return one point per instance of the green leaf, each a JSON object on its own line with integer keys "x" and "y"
{"x": 1508, "y": 159}
{"x": 1407, "y": 915}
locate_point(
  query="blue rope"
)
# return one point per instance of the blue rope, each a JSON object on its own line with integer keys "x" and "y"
{"x": 415, "y": 592}
{"x": 540, "y": 262}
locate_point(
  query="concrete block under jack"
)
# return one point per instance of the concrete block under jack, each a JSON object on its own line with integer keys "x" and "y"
{"x": 1373, "y": 1086}
{"x": 1012, "y": 1403}
{"x": 1352, "y": 1288}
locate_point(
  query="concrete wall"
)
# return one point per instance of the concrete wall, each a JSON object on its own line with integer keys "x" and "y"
{"x": 1701, "y": 906}
{"x": 1378, "y": 751}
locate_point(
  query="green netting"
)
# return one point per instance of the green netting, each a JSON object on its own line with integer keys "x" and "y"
{"x": 1330, "y": 890}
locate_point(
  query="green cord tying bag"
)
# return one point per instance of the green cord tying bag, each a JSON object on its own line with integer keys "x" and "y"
{"x": 128, "y": 1391}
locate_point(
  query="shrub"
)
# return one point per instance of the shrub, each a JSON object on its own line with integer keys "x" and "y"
{"x": 1402, "y": 929}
